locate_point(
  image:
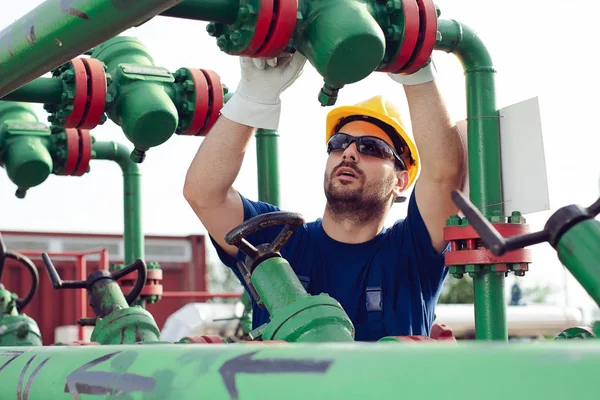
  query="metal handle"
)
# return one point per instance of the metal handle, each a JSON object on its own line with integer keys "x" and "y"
{"x": 138, "y": 265}
{"x": 21, "y": 303}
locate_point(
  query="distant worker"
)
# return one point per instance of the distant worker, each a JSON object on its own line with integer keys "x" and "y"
{"x": 387, "y": 279}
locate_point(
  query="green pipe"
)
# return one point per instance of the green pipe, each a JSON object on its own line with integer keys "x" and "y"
{"x": 298, "y": 371}
{"x": 58, "y": 30}
{"x": 267, "y": 158}
{"x": 41, "y": 90}
{"x": 132, "y": 201}
{"x": 485, "y": 183}
{"x": 223, "y": 11}
{"x": 578, "y": 250}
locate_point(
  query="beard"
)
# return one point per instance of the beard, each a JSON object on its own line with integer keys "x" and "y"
{"x": 358, "y": 201}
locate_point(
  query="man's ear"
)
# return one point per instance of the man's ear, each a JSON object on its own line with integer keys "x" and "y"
{"x": 401, "y": 183}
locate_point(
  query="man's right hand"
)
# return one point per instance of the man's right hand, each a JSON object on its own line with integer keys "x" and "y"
{"x": 256, "y": 101}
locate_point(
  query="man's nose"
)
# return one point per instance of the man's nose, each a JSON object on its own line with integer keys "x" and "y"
{"x": 350, "y": 153}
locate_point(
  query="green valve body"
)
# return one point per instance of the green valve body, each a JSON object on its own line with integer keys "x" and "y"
{"x": 139, "y": 90}
{"x": 24, "y": 146}
{"x": 295, "y": 315}
{"x": 16, "y": 329}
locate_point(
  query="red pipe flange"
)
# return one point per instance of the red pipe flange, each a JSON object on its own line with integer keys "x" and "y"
{"x": 80, "y": 98}
{"x": 261, "y": 30}
{"x": 201, "y": 102}
{"x": 427, "y": 37}
{"x": 410, "y": 35}
{"x": 454, "y": 233}
{"x": 96, "y": 94}
{"x": 85, "y": 152}
{"x": 282, "y": 29}
{"x": 152, "y": 287}
{"x": 72, "y": 152}
{"x": 216, "y": 99}
{"x": 441, "y": 332}
{"x": 205, "y": 339}
{"x": 414, "y": 338}
{"x": 485, "y": 256}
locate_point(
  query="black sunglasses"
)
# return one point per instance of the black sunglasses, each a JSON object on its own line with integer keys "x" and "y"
{"x": 367, "y": 145}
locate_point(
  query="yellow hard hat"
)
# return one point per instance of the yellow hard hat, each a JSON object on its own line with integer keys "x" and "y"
{"x": 379, "y": 109}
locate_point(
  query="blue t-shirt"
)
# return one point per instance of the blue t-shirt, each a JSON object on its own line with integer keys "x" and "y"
{"x": 388, "y": 286}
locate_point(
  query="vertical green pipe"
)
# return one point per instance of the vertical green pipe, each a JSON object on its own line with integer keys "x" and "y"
{"x": 579, "y": 251}
{"x": 267, "y": 160}
{"x": 59, "y": 30}
{"x": 132, "y": 201}
{"x": 485, "y": 180}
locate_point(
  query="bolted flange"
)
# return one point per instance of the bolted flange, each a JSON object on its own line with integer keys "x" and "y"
{"x": 71, "y": 151}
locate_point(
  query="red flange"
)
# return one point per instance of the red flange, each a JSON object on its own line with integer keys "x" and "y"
{"x": 427, "y": 37}
{"x": 414, "y": 338}
{"x": 282, "y": 29}
{"x": 85, "y": 152}
{"x": 485, "y": 256}
{"x": 152, "y": 287}
{"x": 205, "y": 339}
{"x": 452, "y": 233}
{"x": 263, "y": 23}
{"x": 80, "y": 98}
{"x": 442, "y": 332}
{"x": 201, "y": 108}
{"x": 72, "y": 151}
{"x": 96, "y": 96}
{"x": 410, "y": 11}
{"x": 216, "y": 99}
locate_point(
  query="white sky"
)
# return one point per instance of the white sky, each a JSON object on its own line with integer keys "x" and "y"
{"x": 540, "y": 48}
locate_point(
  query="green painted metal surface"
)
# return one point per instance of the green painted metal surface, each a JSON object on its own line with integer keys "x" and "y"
{"x": 140, "y": 105}
{"x": 59, "y": 30}
{"x": 297, "y": 316}
{"x": 579, "y": 250}
{"x": 133, "y": 236}
{"x": 23, "y": 146}
{"x": 125, "y": 325}
{"x": 267, "y": 158}
{"x": 300, "y": 371}
{"x": 16, "y": 329}
{"x": 41, "y": 90}
{"x": 485, "y": 184}
{"x": 223, "y": 11}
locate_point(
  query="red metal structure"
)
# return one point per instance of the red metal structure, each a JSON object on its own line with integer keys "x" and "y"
{"x": 182, "y": 260}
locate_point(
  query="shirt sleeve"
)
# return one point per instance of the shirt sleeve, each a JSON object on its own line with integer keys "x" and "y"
{"x": 427, "y": 263}
{"x": 265, "y": 235}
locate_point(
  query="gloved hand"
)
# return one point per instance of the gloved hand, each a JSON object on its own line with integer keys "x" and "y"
{"x": 256, "y": 100}
{"x": 426, "y": 74}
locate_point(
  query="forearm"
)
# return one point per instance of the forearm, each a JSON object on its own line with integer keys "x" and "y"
{"x": 217, "y": 163}
{"x": 437, "y": 138}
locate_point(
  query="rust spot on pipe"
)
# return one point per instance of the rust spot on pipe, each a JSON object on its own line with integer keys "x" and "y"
{"x": 65, "y": 7}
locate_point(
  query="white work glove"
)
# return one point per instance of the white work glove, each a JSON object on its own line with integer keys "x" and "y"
{"x": 424, "y": 75}
{"x": 256, "y": 100}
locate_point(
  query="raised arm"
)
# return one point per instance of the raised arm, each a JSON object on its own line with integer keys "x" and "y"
{"x": 440, "y": 149}
{"x": 255, "y": 104}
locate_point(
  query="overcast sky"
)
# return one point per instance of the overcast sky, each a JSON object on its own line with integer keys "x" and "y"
{"x": 540, "y": 48}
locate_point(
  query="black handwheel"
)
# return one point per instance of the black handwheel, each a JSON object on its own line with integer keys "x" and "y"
{"x": 138, "y": 265}
{"x": 237, "y": 236}
{"x": 21, "y": 303}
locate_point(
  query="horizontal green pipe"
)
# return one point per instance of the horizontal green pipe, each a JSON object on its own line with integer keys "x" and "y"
{"x": 554, "y": 370}
{"x": 578, "y": 250}
{"x": 58, "y": 30}
{"x": 41, "y": 90}
{"x": 223, "y": 11}
{"x": 133, "y": 236}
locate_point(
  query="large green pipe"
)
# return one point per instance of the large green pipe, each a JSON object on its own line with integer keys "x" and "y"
{"x": 58, "y": 30}
{"x": 267, "y": 159}
{"x": 485, "y": 184}
{"x": 392, "y": 370}
{"x": 578, "y": 250}
{"x": 132, "y": 201}
{"x": 223, "y": 11}
{"x": 41, "y": 90}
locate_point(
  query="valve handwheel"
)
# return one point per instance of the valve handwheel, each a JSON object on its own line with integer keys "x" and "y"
{"x": 138, "y": 265}
{"x": 237, "y": 236}
{"x": 21, "y": 303}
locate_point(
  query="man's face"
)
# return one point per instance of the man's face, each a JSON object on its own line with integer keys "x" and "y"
{"x": 360, "y": 181}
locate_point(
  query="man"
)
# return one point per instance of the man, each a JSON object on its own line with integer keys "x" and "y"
{"x": 387, "y": 280}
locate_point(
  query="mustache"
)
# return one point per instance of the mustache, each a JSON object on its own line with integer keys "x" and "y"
{"x": 347, "y": 164}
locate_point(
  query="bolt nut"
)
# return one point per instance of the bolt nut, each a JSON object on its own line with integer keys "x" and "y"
{"x": 211, "y": 28}
{"x": 68, "y": 75}
{"x": 222, "y": 42}
{"x": 235, "y": 37}
{"x": 394, "y": 6}
{"x": 244, "y": 13}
